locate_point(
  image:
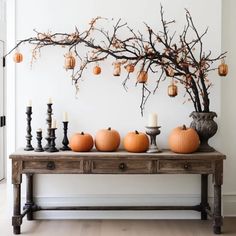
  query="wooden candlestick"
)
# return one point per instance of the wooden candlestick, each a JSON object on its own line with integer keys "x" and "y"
{"x": 49, "y": 123}
{"x": 65, "y": 140}
{"x": 39, "y": 138}
{"x": 28, "y": 136}
{"x": 52, "y": 147}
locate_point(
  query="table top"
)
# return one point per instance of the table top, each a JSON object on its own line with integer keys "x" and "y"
{"x": 20, "y": 154}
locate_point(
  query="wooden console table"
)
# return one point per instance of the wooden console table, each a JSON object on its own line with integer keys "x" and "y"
{"x": 121, "y": 162}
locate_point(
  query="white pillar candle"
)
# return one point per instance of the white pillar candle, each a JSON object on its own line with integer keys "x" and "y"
{"x": 39, "y": 130}
{"x": 54, "y": 124}
{"x": 49, "y": 100}
{"x": 152, "y": 120}
{"x": 30, "y": 103}
{"x": 65, "y": 117}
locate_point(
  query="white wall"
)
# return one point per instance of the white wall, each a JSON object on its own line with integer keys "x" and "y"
{"x": 102, "y": 102}
{"x": 228, "y": 101}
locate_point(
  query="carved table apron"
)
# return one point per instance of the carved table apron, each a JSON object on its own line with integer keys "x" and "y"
{"x": 30, "y": 163}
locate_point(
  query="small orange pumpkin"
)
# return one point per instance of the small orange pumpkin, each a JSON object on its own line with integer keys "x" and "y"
{"x": 107, "y": 140}
{"x": 172, "y": 90}
{"x": 136, "y": 142}
{"x": 223, "y": 69}
{"x": 70, "y": 62}
{"x": 142, "y": 77}
{"x": 81, "y": 142}
{"x": 97, "y": 70}
{"x": 183, "y": 140}
{"x": 18, "y": 57}
{"x": 130, "y": 68}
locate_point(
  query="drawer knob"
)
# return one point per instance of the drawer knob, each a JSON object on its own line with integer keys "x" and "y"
{"x": 122, "y": 166}
{"x": 51, "y": 165}
{"x": 187, "y": 166}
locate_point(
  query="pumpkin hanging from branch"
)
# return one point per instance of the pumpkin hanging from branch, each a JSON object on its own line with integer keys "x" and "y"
{"x": 142, "y": 76}
{"x": 130, "y": 69}
{"x": 97, "y": 70}
{"x": 223, "y": 69}
{"x": 70, "y": 61}
{"x": 172, "y": 90}
{"x": 117, "y": 68}
{"x": 18, "y": 57}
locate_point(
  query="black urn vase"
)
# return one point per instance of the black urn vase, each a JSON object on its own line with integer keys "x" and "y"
{"x": 206, "y": 127}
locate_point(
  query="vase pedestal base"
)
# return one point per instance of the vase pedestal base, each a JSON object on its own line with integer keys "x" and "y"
{"x": 205, "y": 147}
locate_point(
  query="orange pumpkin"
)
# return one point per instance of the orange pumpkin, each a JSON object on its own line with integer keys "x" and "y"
{"x": 97, "y": 70}
{"x": 136, "y": 142}
{"x": 81, "y": 142}
{"x": 70, "y": 62}
{"x": 107, "y": 140}
{"x": 142, "y": 77}
{"x": 172, "y": 90}
{"x": 183, "y": 140}
{"x": 223, "y": 69}
{"x": 18, "y": 57}
{"x": 130, "y": 68}
{"x": 117, "y": 69}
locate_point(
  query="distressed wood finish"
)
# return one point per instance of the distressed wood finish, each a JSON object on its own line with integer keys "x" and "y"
{"x": 68, "y": 162}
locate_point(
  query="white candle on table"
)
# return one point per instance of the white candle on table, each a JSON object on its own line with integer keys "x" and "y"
{"x": 152, "y": 120}
{"x": 30, "y": 103}
{"x": 65, "y": 117}
{"x": 50, "y": 101}
{"x": 54, "y": 124}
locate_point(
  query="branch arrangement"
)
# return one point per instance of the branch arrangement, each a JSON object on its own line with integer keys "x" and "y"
{"x": 181, "y": 58}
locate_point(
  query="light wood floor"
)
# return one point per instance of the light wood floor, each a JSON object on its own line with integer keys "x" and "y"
{"x": 111, "y": 227}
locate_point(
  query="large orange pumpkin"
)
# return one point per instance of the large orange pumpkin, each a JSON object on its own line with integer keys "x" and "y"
{"x": 81, "y": 142}
{"x": 136, "y": 142}
{"x": 70, "y": 62}
{"x": 107, "y": 140}
{"x": 223, "y": 69}
{"x": 183, "y": 140}
{"x": 18, "y": 57}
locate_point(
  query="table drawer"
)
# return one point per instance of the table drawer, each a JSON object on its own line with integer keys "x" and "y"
{"x": 52, "y": 166}
{"x": 123, "y": 166}
{"x": 185, "y": 166}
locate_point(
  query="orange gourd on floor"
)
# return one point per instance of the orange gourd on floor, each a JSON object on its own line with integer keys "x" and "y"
{"x": 81, "y": 142}
{"x": 183, "y": 140}
{"x": 107, "y": 140}
{"x": 18, "y": 57}
{"x": 136, "y": 142}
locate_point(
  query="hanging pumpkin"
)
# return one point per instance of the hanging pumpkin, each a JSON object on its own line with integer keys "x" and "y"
{"x": 107, "y": 140}
{"x": 172, "y": 90}
{"x": 136, "y": 142}
{"x": 117, "y": 69}
{"x": 81, "y": 142}
{"x": 70, "y": 61}
{"x": 130, "y": 68}
{"x": 97, "y": 70}
{"x": 183, "y": 140}
{"x": 18, "y": 57}
{"x": 223, "y": 69}
{"x": 142, "y": 76}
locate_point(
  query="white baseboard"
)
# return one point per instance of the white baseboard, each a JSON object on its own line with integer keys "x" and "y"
{"x": 229, "y": 206}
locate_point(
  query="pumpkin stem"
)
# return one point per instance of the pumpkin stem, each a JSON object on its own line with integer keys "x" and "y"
{"x": 184, "y": 127}
{"x": 109, "y": 128}
{"x": 136, "y": 132}
{"x": 82, "y": 133}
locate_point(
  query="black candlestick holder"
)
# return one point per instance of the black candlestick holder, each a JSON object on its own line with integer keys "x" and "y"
{"x": 153, "y": 132}
{"x": 39, "y": 138}
{"x": 28, "y": 136}
{"x": 65, "y": 140}
{"x": 52, "y": 147}
{"x": 49, "y": 123}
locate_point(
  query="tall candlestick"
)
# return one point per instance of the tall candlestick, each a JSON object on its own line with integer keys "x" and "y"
{"x": 65, "y": 117}
{"x": 28, "y": 129}
{"x": 65, "y": 140}
{"x": 152, "y": 120}
{"x": 49, "y": 123}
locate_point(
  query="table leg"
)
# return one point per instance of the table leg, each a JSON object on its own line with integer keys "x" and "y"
{"x": 17, "y": 219}
{"x": 204, "y": 196}
{"x": 29, "y": 196}
{"x": 218, "y": 181}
